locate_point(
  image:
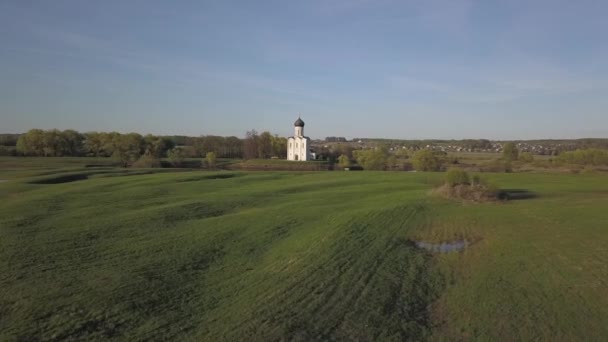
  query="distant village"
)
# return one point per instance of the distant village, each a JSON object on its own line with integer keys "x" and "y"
{"x": 538, "y": 147}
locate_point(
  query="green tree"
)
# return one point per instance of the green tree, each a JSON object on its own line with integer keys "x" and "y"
{"x": 31, "y": 143}
{"x": 391, "y": 162}
{"x": 510, "y": 151}
{"x": 526, "y": 157}
{"x": 265, "y": 145}
{"x": 372, "y": 159}
{"x": 279, "y": 146}
{"x": 176, "y": 156}
{"x": 343, "y": 161}
{"x": 210, "y": 159}
{"x": 94, "y": 143}
{"x": 127, "y": 148}
{"x": 73, "y": 143}
{"x": 157, "y": 146}
{"x": 426, "y": 160}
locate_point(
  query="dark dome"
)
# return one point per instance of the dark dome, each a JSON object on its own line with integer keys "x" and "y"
{"x": 299, "y": 123}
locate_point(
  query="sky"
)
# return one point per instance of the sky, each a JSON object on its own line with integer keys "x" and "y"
{"x": 447, "y": 69}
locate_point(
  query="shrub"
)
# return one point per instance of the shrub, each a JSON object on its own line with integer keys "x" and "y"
{"x": 457, "y": 177}
{"x": 459, "y": 185}
{"x": 210, "y": 159}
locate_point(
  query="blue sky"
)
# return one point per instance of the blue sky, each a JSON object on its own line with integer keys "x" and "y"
{"x": 355, "y": 68}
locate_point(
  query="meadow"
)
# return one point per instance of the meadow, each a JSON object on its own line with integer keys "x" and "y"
{"x": 100, "y": 252}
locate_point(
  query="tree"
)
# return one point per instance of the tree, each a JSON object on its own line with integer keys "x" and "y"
{"x": 373, "y": 159}
{"x": 391, "y": 162}
{"x": 176, "y": 156}
{"x": 426, "y": 160}
{"x": 31, "y": 143}
{"x": 9, "y": 139}
{"x": 279, "y": 146}
{"x": 510, "y": 151}
{"x": 210, "y": 159}
{"x": 251, "y": 145}
{"x": 526, "y": 157}
{"x": 73, "y": 143}
{"x": 127, "y": 148}
{"x": 265, "y": 145}
{"x": 235, "y": 147}
{"x": 343, "y": 161}
{"x": 157, "y": 146}
{"x": 344, "y": 149}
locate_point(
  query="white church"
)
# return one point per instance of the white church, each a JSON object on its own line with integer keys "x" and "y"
{"x": 298, "y": 145}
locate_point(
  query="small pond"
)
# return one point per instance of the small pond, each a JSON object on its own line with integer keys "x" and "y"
{"x": 444, "y": 247}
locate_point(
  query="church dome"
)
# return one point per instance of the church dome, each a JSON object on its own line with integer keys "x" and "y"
{"x": 299, "y": 123}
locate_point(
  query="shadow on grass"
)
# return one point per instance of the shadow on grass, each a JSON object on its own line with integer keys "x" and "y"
{"x": 206, "y": 177}
{"x": 516, "y": 194}
{"x": 61, "y": 179}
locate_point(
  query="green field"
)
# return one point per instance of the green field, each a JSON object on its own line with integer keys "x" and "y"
{"x": 224, "y": 256}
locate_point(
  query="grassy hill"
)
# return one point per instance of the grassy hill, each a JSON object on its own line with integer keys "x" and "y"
{"x": 299, "y": 256}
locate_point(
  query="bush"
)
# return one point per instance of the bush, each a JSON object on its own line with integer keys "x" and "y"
{"x": 457, "y": 177}
{"x": 210, "y": 159}
{"x": 459, "y": 185}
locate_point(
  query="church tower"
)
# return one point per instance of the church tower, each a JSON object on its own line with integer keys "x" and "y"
{"x": 299, "y": 127}
{"x": 298, "y": 145}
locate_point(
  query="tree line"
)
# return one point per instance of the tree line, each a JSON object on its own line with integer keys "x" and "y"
{"x": 130, "y": 146}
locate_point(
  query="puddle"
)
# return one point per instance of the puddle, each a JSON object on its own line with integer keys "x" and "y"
{"x": 444, "y": 247}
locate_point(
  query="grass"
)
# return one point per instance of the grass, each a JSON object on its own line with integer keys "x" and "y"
{"x": 226, "y": 256}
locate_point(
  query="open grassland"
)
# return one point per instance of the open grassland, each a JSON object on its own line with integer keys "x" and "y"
{"x": 299, "y": 256}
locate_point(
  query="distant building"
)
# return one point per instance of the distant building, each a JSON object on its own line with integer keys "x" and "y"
{"x": 298, "y": 145}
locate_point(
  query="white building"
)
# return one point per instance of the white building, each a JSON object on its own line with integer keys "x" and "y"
{"x": 298, "y": 145}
